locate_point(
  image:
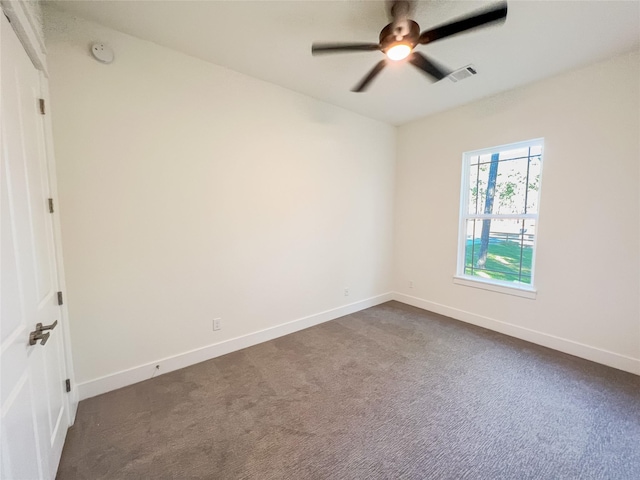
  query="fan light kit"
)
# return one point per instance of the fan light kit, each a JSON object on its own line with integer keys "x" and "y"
{"x": 399, "y": 51}
{"x": 399, "y": 39}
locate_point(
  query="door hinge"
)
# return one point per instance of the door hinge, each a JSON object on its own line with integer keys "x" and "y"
{"x": 67, "y": 384}
{"x": 41, "y": 103}
{"x": 51, "y": 205}
{"x": 60, "y": 302}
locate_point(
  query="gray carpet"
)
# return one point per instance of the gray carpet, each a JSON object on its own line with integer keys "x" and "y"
{"x": 389, "y": 392}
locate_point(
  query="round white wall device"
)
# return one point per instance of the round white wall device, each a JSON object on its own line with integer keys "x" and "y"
{"x": 102, "y": 52}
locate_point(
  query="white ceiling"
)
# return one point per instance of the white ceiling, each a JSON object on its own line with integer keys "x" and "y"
{"x": 271, "y": 40}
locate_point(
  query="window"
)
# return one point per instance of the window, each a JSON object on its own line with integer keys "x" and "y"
{"x": 499, "y": 215}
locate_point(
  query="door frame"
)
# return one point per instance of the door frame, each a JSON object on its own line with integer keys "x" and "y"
{"x": 72, "y": 396}
{"x": 26, "y": 24}
{"x": 26, "y": 20}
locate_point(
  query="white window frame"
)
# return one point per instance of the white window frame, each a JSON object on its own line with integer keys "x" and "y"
{"x": 501, "y": 286}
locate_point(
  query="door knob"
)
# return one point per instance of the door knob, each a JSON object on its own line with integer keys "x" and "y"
{"x": 46, "y": 327}
{"x": 38, "y": 334}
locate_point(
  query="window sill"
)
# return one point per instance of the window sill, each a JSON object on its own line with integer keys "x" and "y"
{"x": 525, "y": 292}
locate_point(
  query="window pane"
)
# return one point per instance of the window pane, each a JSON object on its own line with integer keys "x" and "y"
{"x": 511, "y": 187}
{"x": 478, "y": 177}
{"x": 536, "y": 150}
{"x": 512, "y": 194}
{"x": 504, "y": 253}
{"x": 473, "y": 189}
{"x": 534, "y": 184}
{"x": 514, "y": 153}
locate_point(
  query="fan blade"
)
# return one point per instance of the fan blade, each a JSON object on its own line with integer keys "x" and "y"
{"x": 464, "y": 24}
{"x": 370, "y": 76}
{"x": 428, "y": 66}
{"x": 343, "y": 47}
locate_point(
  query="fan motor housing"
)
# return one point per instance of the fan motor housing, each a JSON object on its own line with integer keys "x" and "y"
{"x": 388, "y": 39}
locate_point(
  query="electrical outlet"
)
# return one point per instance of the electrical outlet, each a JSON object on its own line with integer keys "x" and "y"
{"x": 410, "y": 283}
{"x": 346, "y": 292}
{"x": 217, "y": 323}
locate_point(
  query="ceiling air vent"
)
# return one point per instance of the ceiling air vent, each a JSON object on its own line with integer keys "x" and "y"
{"x": 462, "y": 73}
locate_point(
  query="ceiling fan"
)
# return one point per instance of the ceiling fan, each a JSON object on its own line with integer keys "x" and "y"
{"x": 399, "y": 39}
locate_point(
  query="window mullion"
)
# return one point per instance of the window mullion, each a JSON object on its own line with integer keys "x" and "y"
{"x": 521, "y": 250}
{"x": 473, "y": 246}
{"x": 477, "y": 184}
{"x": 526, "y": 185}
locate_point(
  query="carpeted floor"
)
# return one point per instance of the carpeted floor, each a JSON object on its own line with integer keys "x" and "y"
{"x": 386, "y": 393}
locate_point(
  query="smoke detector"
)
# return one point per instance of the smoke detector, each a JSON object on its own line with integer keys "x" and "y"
{"x": 102, "y": 53}
{"x": 462, "y": 73}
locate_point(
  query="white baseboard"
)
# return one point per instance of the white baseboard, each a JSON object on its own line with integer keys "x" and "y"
{"x": 598, "y": 355}
{"x": 137, "y": 374}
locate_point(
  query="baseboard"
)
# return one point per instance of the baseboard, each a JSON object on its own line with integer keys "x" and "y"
{"x": 140, "y": 373}
{"x": 598, "y": 355}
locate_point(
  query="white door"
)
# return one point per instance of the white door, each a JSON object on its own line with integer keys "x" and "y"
{"x": 34, "y": 419}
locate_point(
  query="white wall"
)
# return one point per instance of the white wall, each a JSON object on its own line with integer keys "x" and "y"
{"x": 189, "y": 191}
{"x": 588, "y": 257}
